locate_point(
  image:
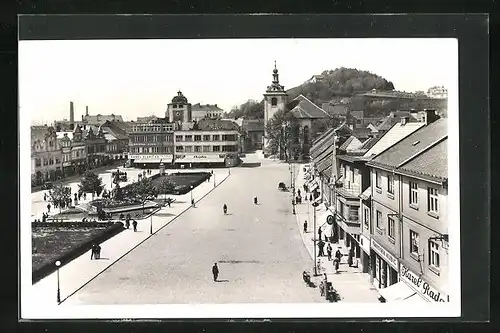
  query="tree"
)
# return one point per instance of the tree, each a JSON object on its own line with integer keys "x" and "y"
{"x": 59, "y": 195}
{"x": 280, "y": 136}
{"x": 166, "y": 187}
{"x": 251, "y": 109}
{"x": 92, "y": 183}
{"x": 143, "y": 190}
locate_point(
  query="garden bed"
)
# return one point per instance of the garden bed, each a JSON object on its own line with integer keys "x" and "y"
{"x": 182, "y": 180}
{"x": 65, "y": 243}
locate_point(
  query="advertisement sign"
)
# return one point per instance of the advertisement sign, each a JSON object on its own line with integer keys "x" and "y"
{"x": 389, "y": 258}
{"x": 422, "y": 287}
{"x": 150, "y": 157}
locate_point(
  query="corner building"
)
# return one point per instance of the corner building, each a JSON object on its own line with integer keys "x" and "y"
{"x": 409, "y": 234}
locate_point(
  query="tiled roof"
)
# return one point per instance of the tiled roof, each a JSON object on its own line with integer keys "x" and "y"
{"x": 321, "y": 137}
{"x": 324, "y": 164}
{"x": 392, "y": 136}
{"x": 334, "y": 110}
{"x": 99, "y": 119}
{"x": 346, "y": 143}
{"x": 114, "y": 130}
{"x": 361, "y": 133}
{"x": 323, "y": 145}
{"x": 306, "y": 109}
{"x": 217, "y": 125}
{"x": 393, "y": 118}
{"x": 358, "y": 114}
{"x": 206, "y": 107}
{"x": 328, "y": 172}
{"x": 60, "y": 135}
{"x": 432, "y": 163}
{"x": 414, "y": 144}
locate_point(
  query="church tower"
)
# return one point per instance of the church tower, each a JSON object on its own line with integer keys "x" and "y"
{"x": 275, "y": 99}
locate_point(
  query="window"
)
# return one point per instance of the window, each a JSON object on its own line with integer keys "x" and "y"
{"x": 414, "y": 242}
{"x": 432, "y": 199}
{"x": 188, "y": 138}
{"x": 413, "y": 193}
{"x": 179, "y": 149}
{"x": 228, "y": 137}
{"x": 216, "y": 137}
{"x": 274, "y": 101}
{"x": 367, "y": 216}
{"x": 206, "y": 138}
{"x": 216, "y": 148}
{"x": 378, "y": 180}
{"x": 58, "y": 161}
{"x": 38, "y": 162}
{"x": 175, "y": 106}
{"x": 197, "y": 149}
{"x": 353, "y": 214}
{"x": 206, "y": 149}
{"x": 51, "y": 161}
{"x": 155, "y": 138}
{"x": 197, "y": 138}
{"x": 391, "y": 225}
{"x": 434, "y": 254}
{"x": 378, "y": 221}
{"x": 188, "y": 149}
{"x": 352, "y": 175}
{"x": 390, "y": 184}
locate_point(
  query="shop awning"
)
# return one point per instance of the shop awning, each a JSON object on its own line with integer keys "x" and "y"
{"x": 199, "y": 160}
{"x": 397, "y": 292}
{"x": 149, "y": 160}
{"x": 366, "y": 195}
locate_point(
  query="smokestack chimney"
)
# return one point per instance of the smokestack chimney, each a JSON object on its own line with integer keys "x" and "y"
{"x": 87, "y": 110}
{"x": 71, "y": 116}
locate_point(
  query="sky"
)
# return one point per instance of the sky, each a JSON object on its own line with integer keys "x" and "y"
{"x": 136, "y": 78}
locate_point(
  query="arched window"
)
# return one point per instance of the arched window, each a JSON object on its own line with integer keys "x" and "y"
{"x": 274, "y": 101}
{"x": 306, "y": 135}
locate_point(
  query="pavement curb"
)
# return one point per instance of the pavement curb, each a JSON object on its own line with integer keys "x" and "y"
{"x": 138, "y": 244}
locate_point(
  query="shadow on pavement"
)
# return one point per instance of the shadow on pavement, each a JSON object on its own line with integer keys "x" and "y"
{"x": 222, "y": 281}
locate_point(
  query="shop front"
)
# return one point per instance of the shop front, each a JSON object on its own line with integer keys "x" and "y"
{"x": 384, "y": 266}
{"x": 423, "y": 290}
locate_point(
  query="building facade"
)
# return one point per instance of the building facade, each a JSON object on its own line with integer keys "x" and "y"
{"x": 199, "y": 111}
{"x": 151, "y": 143}
{"x": 208, "y": 143}
{"x": 46, "y": 155}
{"x": 409, "y": 225}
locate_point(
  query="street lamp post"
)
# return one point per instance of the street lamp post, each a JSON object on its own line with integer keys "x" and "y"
{"x": 315, "y": 204}
{"x": 58, "y": 263}
{"x": 214, "y": 179}
{"x": 191, "y": 187}
{"x": 151, "y": 225}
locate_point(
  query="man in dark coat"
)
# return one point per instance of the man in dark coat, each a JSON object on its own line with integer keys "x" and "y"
{"x": 134, "y": 224}
{"x": 93, "y": 252}
{"x": 215, "y": 271}
{"x": 48, "y": 207}
{"x": 338, "y": 255}
{"x": 321, "y": 245}
{"x": 319, "y": 233}
{"x": 305, "y": 226}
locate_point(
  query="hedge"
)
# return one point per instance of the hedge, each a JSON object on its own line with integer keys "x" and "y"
{"x": 65, "y": 258}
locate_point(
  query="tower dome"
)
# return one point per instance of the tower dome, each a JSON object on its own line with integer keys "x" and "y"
{"x": 180, "y": 98}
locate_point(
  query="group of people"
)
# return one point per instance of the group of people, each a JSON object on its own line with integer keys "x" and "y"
{"x": 127, "y": 221}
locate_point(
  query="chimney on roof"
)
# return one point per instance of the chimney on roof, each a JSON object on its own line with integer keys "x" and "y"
{"x": 86, "y": 110}
{"x": 71, "y": 116}
{"x": 404, "y": 120}
{"x": 430, "y": 116}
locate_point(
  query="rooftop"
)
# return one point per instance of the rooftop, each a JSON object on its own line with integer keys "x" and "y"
{"x": 216, "y": 125}
{"x": 206, "y": 107}
{"x": 302, "y": 108}
{"x": 413, "y": 144}
{"x": 392, "y": 136}
{"x": 432, "y": 163}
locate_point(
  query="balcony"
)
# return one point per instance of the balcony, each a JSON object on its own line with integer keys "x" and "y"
{"x": 349, "y": 191}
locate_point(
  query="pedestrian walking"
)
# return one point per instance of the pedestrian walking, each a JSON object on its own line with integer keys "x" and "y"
{"x": 255, "y": 201}
{"x": 84, "y": 196}
{"x": 93, "y": 252}
{"x": 45, "y": 197}
{"x": 224, "y": 208}
{"x": 192, "y": 202}
{"x": 127, "y": 223}
{"x": 215, "y": 271}
{"x": 98, "y": 251}
{"x": 338, "y": 255}
{"x": 134, "y": 224}
{"x": 305, "y": 226}
{"x": 310, "y": 197}
{"x": 298, "y": 192}
{"x": 321, "y": 246}
{"x": 336, "y": 264}
{"x": 319, "y": 233}
{"x": 329, "y": 251}
{"x": 350, "y": 257}
{"x": 48, "y": 207}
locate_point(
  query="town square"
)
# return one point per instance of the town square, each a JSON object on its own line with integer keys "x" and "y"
{"x": 330, "y": 188}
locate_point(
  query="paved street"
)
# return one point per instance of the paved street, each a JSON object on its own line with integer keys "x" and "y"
{"x": 259, "y": 250}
